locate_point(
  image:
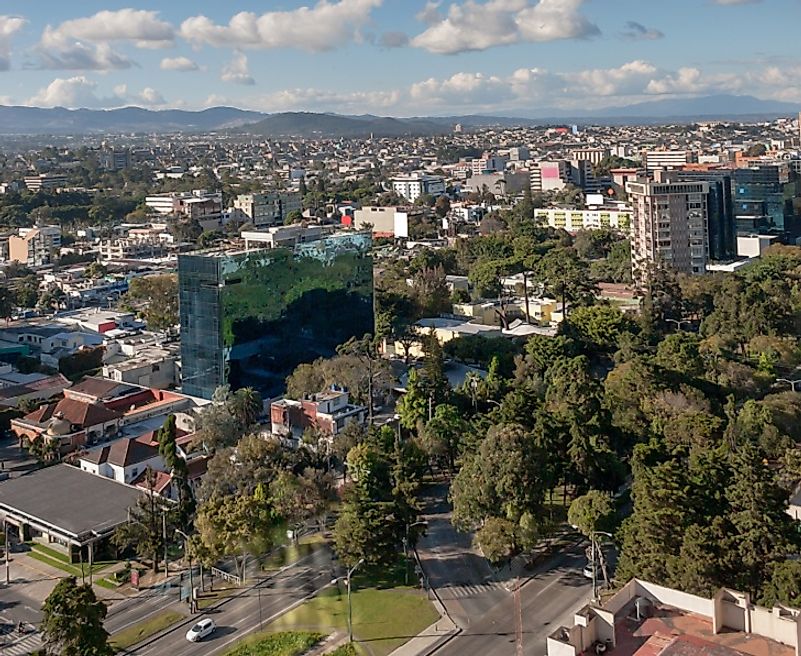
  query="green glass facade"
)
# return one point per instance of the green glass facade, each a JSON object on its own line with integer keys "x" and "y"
{"x": 249, "y": 318}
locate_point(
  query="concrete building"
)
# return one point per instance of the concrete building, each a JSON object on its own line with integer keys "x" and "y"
{"x": 573, "y": 220}
{"x": 328, "y": 413}
{"x": 285, "y": 236}
{"x": 411, "y": 187}
{"x": 386, "y": 221}
{"x": 126, "y": 248}
{"x": 45, "y": 181}
{"x": 268, "y": 209}
{"x": 519, "y": 154}
{"x": 488, "y": 163}
{"x": 645, "y": 619}
{"x": 113, "y": 159}
{"x": 35, "y": 246}
{"x": 669, "y": 225}
{"x": 667, "y": 159}
{"x": 500, "y": 184}
{"x": 197, "y": 205}
{"x": 591, "y": 155}
{"x": 549, "y": 176}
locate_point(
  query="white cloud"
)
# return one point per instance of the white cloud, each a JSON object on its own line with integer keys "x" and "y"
{"x": 473, "y": 25}
{"x": 80, "y": 91}
{"x": 325, "y": 26}
{"x": 237, "y": 70}
{"x": 178, "y": 64}
{"x": 9, "y": 26}
{"x": 85, "y": 43}
{"x": 142, "y": 27}
{"x": 306, "y": 99}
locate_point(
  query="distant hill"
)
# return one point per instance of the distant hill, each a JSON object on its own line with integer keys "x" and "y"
{"x": 18, "y": 120}
{"x": 310, "y": 125}
{"x": 58, "y": 120}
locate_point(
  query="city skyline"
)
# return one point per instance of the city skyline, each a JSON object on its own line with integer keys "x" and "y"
{"x": 393, "y": 57}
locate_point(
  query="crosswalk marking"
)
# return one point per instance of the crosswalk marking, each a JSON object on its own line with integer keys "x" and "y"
{"x": 23, "y": 646}
{"x": 469, "y": 590}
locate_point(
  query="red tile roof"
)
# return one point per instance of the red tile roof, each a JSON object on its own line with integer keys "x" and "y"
{"x": 78, "y": 413}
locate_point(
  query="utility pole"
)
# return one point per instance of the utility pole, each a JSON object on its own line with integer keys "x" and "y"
{"x": 188, "y": 556}
{"x": 164, "y": 536}
{"x": 518, "y": 618}
{"x": 8, "y": 554}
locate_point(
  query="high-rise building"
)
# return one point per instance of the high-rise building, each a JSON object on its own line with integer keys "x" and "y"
{"x": 549, "y": 176}
{"x": 763, "y": 197}
{"x": 721, "y": 220}
{"x": 268, "y": 209}
{"x": 249, "y": 317}
{"x": 669, "y": 225}
{"x": 668, "y": 159}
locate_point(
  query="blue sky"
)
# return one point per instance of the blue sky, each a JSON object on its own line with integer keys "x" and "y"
{"x": 401, "y": 57}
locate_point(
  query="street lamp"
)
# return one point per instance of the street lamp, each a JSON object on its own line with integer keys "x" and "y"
{"x": 350, "y": 608}
{"x": 406, "y": 548}
{"x": 191, "y": 576}
{"x": 678, "y": 322}
{"x": 791, "y": 383}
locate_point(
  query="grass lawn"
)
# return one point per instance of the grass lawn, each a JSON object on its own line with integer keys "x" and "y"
{"x": 221, "y": 590}
{"x": 385, "y": 614}
{"x": 144, "y": 629}
{"x": 348, "y": 649}
{"x": 276, "y": 644}
{"x": 62, "y": 564}
{"x": 293, "y": 552}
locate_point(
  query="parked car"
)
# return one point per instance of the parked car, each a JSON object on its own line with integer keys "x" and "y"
{"x": 204, "y": 628}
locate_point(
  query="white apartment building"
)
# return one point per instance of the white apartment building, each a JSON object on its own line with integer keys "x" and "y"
{"x": 549, "y": 176}
{"x": 199, "y": 204}
{"x": 35, "y": 246}
{"x": 488, "y": 164}
{"x": 268, "y": 209}
{"x": 411, "y": 187}
{"x": 45, "y": 181}
{"x": 668, "y": 159}
{"x": 590, "y": 219}
{"x": 669, "y": 225}
{"x": 591, "y": 155}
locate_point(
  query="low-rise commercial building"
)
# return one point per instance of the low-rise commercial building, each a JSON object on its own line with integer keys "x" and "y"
{"x": 328, "y": 413}
{"x": 35, "y": 247}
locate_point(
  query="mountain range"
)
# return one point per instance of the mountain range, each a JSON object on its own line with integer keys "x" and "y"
{"x": 20, "y": 120}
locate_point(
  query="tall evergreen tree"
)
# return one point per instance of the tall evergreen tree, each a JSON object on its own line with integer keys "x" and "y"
{"x": 72, "y": 621}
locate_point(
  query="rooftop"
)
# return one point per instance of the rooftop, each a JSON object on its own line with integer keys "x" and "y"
{"x": 58, "y": 498}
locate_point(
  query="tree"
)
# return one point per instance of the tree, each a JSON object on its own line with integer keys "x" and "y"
{"x": 298, "y": 498}
{"x": 6, "y": 302}
{"x": 591, "y": 512}
{"x": 443, "y": 435}
{"x": 566, "y": 277}
{"x": 236, "y": 527}
{"x": 784, "y": 585}
{"x": 72, "y": 621}
{"x": 430, "y": 292}
{"x": 157, "y": 297}
{"x": 247, "y": 406}
{"x": 413, "y": 405}
{"x": 497, "y": 540}
{"x": 147, "y": 520}
{"x": 600, "y": 326}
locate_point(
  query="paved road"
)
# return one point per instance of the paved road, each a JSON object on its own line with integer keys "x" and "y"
{"x": 465, "y": 582}
{"x": 547, "y": 601}
{"x": 243, "y": 614}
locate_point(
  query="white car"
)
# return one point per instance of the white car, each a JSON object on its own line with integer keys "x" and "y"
{"x": 202, "y": 629}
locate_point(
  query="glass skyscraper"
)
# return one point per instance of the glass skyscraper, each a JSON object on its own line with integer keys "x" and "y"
{"x": 249, "y": 317}
{"x": 763, "y": 197}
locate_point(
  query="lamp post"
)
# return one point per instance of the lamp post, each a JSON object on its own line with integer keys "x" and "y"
{"x": 791, "y": 383}
{"x": 7, "y": 546}
{"x": 678, "y": 322}
{"x": 191, "y": 576}
{"x": 406, "y": 548}
{"x": 350, "y": 608}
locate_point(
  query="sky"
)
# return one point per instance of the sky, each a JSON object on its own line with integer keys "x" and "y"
{"x": 394, "y": 57}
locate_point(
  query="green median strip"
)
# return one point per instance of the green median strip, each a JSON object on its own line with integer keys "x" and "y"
{"x": 293, "y": 643}
{"x": 144, "y": 629}
{"x": 349, "y": 649}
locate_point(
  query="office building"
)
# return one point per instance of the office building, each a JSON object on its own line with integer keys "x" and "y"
{"x": 45, "y": 181}
{"x": 668, "y": 159}
{"x": 35, "y": 246}
{"x": 763, "y": 197}
{"x": 519, "y": 154}
{"x": 268, "y": 209}
{"x": 488, "y": 163}
{"x": 581, "y": 174}
{"x": 197, "y": 205}
{"x": 669, "y": 225}
{"x": 549, "y": 176}
{"x": 411, "y": 187}
{"x": 249, "y": 317}
{"x": 115, "y": 160}
{"x": 591, "y": 155}
{"x": 721, "y": 221}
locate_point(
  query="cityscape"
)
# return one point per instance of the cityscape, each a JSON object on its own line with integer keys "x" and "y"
{"x": 370, "y": 328}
